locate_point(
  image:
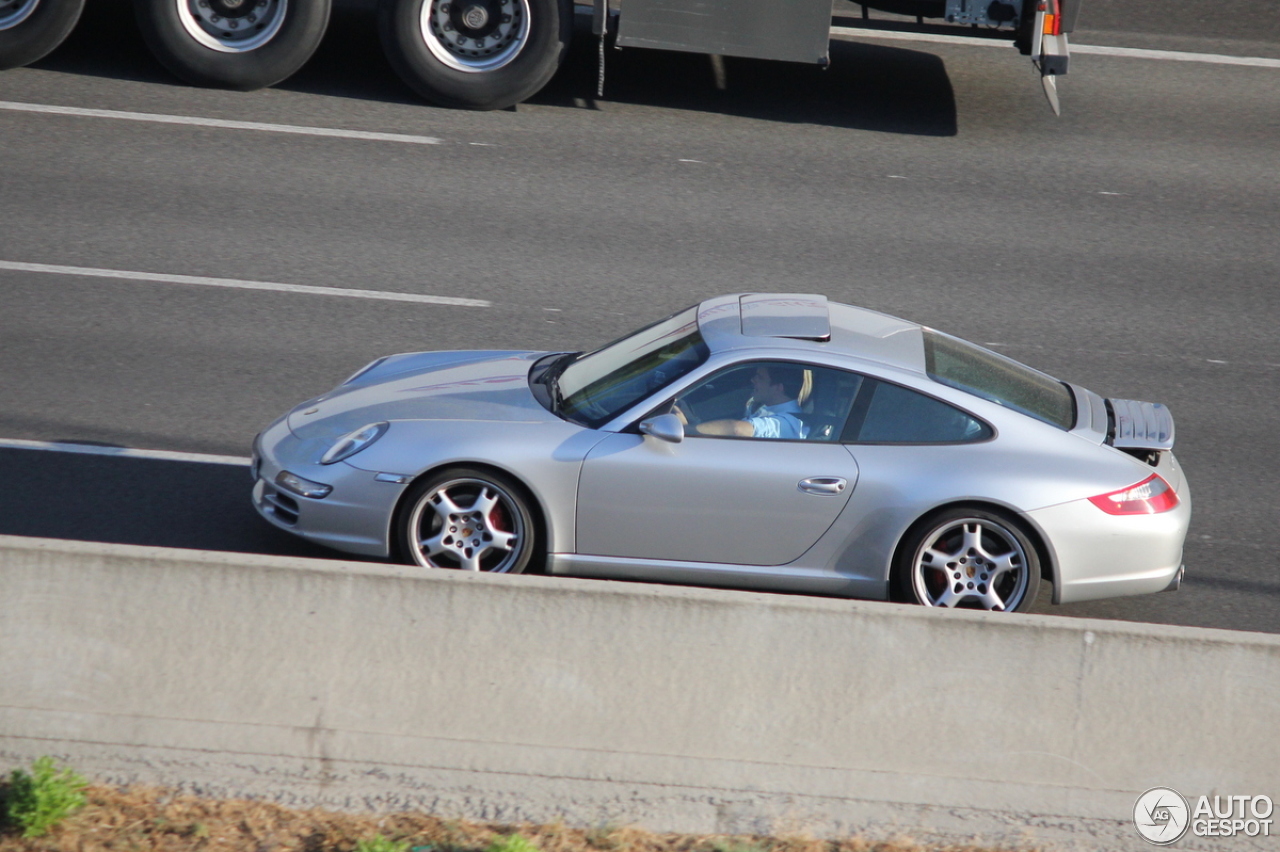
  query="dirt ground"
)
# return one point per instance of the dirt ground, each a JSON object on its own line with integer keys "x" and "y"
{"x": 155, "y": 820}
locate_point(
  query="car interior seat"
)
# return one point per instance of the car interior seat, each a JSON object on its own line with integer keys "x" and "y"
{"x": 828, "y": 404}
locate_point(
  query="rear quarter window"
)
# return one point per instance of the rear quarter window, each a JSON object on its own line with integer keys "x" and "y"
{"x": 891, "y": 414}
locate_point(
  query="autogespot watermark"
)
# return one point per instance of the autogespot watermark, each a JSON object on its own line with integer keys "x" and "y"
{"x": 1163, "y": 816}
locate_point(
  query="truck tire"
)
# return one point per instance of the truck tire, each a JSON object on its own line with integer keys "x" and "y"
{"x": 31, "y": 29}
{"x": 475, "y": 54}
{"x": 233, "y": 44}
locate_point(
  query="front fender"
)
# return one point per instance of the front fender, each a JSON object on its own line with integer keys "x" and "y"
{"x": 545, "y": 457}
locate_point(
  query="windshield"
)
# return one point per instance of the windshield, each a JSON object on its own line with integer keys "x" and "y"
{"x": 597, "y": 387}
{"x": 994, "y": 377}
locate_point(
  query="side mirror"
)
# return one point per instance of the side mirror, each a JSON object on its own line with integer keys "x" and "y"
{"x": 664, "y": 427}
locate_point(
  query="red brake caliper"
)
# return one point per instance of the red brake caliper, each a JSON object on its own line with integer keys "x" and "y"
{"x": 498, "y": 519}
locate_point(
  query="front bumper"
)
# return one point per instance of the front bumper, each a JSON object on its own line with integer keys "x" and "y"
{"x": 355, "y": 517}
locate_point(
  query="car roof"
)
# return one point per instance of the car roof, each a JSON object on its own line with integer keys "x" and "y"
{"x": 809, "y": 323}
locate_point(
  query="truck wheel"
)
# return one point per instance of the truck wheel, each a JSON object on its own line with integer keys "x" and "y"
{"x": 476, "y": 54}
{"x": 233, "y": 44}
{"x": 31, "y": 29}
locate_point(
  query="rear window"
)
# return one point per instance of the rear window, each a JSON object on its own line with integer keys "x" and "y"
{"x": 1002, "y": 380}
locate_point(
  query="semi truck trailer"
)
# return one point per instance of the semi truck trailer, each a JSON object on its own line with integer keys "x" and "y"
{"x": 491, "y": 54}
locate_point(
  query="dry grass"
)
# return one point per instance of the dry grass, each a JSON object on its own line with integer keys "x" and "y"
{"x": 144, "y": 819}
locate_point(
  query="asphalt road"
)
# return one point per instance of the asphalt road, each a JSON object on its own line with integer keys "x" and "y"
{"x": 1129, "y": 245}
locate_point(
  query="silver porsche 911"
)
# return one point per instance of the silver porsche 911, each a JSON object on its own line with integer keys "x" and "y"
{"x": 763, "y": 441}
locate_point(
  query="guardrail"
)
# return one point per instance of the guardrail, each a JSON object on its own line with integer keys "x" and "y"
{"x": 369, "y": 686}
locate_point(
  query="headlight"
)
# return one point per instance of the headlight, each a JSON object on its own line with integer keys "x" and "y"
{"x": 302, "y": 487}
{"x": 353, "y": 442}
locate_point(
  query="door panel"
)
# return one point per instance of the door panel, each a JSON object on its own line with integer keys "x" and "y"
{"x": 710, "y": 499}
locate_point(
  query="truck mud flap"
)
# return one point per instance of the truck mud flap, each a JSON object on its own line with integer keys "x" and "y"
{"x": 1049, "y": 50}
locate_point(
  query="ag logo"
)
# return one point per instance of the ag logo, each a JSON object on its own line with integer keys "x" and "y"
{"x": 1161, "y": 815}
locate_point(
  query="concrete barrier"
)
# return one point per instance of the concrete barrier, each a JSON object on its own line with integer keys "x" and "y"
{"x": 367, "y": 686}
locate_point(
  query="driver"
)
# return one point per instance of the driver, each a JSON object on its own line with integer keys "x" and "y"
{"x": 775, "y": 413}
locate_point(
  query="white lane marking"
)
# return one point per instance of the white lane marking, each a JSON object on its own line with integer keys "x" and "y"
{"x": 194, "y": 121}
{"x": 846, "y": 32}
{"x": 121, "y": 452}
{"x": 1177, "y": 56}
{"x": 935, "y": 38}
{"x": 1096, "y": 49}
{"x": 1126, "y": 352}
{"x": 235, "y": 283}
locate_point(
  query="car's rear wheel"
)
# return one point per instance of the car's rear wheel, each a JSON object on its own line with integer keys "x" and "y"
{"x": 467, "y": 519}
{"x": 31, "y": 29}
{"x": 968, "y": 558}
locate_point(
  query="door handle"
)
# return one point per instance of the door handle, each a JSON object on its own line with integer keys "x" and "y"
{"x": 826, "y": 485}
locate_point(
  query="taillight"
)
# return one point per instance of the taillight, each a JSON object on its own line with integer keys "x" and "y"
{"x": 1151, "y": 496}
{"x": 1052, "y": 18}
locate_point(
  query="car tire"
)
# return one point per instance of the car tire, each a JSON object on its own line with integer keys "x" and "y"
{"x": 468, "y": 519}
{"x": 967, "y": 557}
{"x": 510, "y": 48}
{"x": 31, "y": 29}
{"x": 270, "y": 39}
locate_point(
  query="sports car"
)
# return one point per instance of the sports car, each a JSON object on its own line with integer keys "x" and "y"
{"x": 762, "y": 441}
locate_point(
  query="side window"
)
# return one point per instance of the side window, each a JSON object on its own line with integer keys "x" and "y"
{"x": 827, "y": 407}
{"x": 770, "y": 399}
{"x": 896, "y": 415}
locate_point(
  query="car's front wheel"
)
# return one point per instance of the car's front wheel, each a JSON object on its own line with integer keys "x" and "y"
{"x": 968, "y": 558}
{"x": 467, "y": 519}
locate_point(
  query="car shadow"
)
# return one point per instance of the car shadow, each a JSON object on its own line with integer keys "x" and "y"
{"x": 129, "y": 500}
{"x": 866, "y": 87}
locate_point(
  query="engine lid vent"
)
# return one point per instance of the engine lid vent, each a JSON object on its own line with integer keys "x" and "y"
{"x": 1137, "y": 425}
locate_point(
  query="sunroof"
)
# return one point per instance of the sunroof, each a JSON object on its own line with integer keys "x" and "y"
{"x": 799, "y": 315}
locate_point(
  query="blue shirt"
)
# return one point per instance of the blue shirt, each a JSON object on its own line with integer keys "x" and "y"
{"x": 777, "y": 421}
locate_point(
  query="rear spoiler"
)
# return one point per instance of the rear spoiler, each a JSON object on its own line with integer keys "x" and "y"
{"x": 1135, "y": 425}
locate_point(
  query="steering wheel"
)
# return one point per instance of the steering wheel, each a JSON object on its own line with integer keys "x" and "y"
{"x": 681, "y": 406}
